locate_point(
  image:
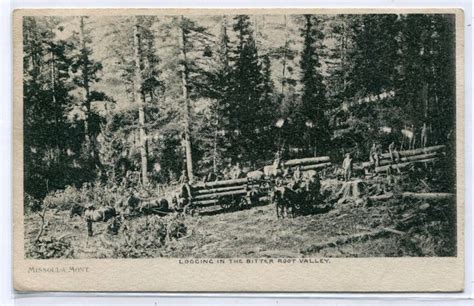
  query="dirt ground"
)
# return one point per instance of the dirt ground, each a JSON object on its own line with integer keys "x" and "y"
{"x": 419, "y": 229}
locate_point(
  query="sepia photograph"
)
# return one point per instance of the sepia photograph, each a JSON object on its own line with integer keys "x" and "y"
{"x": 239, "y": 136}
{"x": 268, "y": 137}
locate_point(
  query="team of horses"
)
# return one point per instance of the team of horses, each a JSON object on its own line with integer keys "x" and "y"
{"x": 290, "y": 195}
{"x": 293, "y": 196}
{"x": 134, "y": 205}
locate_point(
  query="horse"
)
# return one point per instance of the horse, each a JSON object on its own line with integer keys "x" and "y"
{"x": 76, "y": 210}
{"x": 270, "y": 171}
{"x": 181, "y": 200}
{"x": 159, "y": 206}
{"x": 102, "y": 214}
{"x": 255, "y": 176}
{"x": 284, "y": 198}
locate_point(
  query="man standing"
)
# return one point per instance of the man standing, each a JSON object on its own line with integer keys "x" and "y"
{"x": 424, "y": 135}
{"x": 413, "y": 138}
{"x": 347, "y": 167}
{"x": 277, "y": 160}
{"x": 372, "y": 153}
{"x": 377, "y": 154}
{"x": 183, "y": 177}
{"x": 391, "y": 149}
{"x": 297, "y": 175}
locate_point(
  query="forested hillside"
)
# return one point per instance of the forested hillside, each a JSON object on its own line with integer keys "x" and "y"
{"x": 135, "y": 97}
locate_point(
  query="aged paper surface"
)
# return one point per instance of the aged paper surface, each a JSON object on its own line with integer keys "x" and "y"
{"x": 116, "y": 231}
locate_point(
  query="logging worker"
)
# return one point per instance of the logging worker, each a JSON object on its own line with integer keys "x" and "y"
{"x": 226, "y": 172}
{"x": 183, "y": 178}
{"x": 314, "y": 186}
{"x": 277, "y": 160}
{"x": 89, "y": 209}
{"x": 236, "y": 171}
{"x": 372, "y": 153}
{"x": 413, "y": 138}
{"x": 424, "y": 135}
{"x": 347, "y": 167}
{"x": 391, "y": 148}
{"x": 394, "y": 154}
{"x": 297, "y": 175}
{"x": 377, "y": 154}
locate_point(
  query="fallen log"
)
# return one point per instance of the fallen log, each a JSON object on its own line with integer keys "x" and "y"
{"x": 414, "y": 195}
{"x": 306, "y": 161}
{"x": 382, "y": 197}
{"x": 428, "y": 196}
{"x": 388, "y": 161}
{"x": 403, "y": 165}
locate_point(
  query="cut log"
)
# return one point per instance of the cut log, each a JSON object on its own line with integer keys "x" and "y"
{"x": 417, "y": 151}
{"x": 315, "y": 167}
{"x": 220, "y": 194}
{"x": 205, "y": 203}
{"x": 306, "y": 161}
{"x": 223, "y": 189}
{"x": 388, "y": 161}
{"x": 403, "y": 165}
{"x": 220, "y": 183}
{"x": 309, "y": 167}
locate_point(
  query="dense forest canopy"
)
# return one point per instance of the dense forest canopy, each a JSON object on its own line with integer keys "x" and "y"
{"x": 109, "y": 97}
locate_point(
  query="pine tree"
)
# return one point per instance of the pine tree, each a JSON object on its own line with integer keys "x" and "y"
{"x": 246, "y": 108}
{"x": 313, "y": 99}
{"x": 47, "y": 99}
{"x": 425, "y": 83}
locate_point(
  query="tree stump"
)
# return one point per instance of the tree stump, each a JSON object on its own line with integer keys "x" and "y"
{"x": 352, "y": 191}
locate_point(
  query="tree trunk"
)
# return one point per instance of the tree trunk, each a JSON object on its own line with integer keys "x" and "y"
{"x": 283, "y": 73}
{"x": 85, "y": 76}
{"x": 56, "y": 108}
{"x": 184, "y": 84}
{"x": 140, "y": 103}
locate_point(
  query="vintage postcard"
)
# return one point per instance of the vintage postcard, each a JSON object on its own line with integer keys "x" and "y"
{"x": 238, "y": 150}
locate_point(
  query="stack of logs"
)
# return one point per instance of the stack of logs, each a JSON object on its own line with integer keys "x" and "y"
{"x": 207, "y": 194}
{"x": 421, "y": 155}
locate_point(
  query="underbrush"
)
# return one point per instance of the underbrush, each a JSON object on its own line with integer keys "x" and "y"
{"x": 49, "y": 247}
